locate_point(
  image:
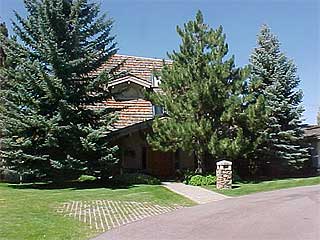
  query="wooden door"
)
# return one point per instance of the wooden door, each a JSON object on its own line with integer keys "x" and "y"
{"x": 160, "y": 164}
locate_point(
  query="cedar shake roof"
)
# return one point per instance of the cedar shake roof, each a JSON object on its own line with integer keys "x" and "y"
{"x": 130, "y": 112}
{"x": 140, "y": 67}
{"x": 312, "y": 131}
{"x": 140, "y": 71}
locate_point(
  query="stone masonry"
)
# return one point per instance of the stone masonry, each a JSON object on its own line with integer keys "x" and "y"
{"x": 224, "y": 175}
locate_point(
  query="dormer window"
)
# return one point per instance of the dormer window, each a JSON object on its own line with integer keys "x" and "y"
{"x": 158, "y": 110}
{"x": 156, "y": 81}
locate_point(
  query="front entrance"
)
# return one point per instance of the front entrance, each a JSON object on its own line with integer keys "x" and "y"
{"x": 160, "y": 164}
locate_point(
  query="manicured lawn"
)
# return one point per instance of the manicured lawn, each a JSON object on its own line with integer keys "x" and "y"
{"x": 247, "y": 188}
{"x": 30, "y": 213}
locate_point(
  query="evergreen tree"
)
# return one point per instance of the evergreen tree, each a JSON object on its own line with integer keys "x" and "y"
{"x": 318, "y": 118}
{"x": 274, "y": 77}
{"x": 201, "y": 95}
{"x": 4, "y": 34}
{"x": 49, "y": 123}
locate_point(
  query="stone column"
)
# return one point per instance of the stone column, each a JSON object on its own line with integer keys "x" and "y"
{"x": 224, "y": 175}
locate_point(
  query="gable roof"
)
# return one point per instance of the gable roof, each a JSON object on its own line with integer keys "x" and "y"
{"x": 139, "y": 67}
{"x": 312, "y": 131}
{"x": 138, "y": 70}
{"x": 130, "y": 78}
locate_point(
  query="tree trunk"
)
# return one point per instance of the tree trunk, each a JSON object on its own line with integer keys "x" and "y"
{"x": 20, "y": 178}
{"x": 200, "y": 163}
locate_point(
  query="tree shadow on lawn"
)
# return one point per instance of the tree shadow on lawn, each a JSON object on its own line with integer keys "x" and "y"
{"x": 71, "y": 185}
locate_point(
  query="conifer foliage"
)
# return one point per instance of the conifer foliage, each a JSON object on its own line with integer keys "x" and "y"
{"x": 4, "y": 33}
{"x": 48, "y": 128}
{"x": 274, "y": 77}
{"x": 201, "y": 95}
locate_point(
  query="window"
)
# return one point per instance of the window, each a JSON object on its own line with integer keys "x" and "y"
{"x": 158, "y": 110}
{"x": 155, "y": 81}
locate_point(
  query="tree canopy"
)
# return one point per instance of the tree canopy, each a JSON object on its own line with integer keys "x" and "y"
{"x": 201, "y": 95}
{"x": 49, "y": 124}
{"x": 274, "y": 77}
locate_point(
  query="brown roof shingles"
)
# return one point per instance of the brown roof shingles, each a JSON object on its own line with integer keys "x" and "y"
{"x": 312, "y": 131}
{"x": 130, "y": 112}
{"x": 140, "y": 67}
{"x": 134, "y": 111}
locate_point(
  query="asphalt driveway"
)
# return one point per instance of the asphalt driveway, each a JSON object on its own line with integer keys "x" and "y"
{"x": 284, "y": 214}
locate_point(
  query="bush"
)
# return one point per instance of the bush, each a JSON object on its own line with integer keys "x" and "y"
{"x": 9, "y": 176}
{"x": 135, "y": 178}
{"x": 86, "y": 178}
{"x": 199, "y": 180}
{"x": 187, "y": 175}
{"x": 236, "y": 178}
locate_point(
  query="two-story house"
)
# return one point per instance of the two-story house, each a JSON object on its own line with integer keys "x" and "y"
{"x": 135, "y": 114}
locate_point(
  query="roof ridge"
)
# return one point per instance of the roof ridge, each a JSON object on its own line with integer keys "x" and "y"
{"x": 146, "y": 58}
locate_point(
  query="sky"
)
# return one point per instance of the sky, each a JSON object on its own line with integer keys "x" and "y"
{"x": 148, "y": 28}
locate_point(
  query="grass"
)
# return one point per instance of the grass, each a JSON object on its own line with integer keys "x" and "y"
{"x": 29, "y": 213}
{"x": 239, "y": 189}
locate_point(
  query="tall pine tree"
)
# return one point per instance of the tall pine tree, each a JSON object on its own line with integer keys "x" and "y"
{"x": 48, "y": 126}
{"x": 4, "y": 34}
{"x": 201, "y": 95}
{"x": 274, "y": 77}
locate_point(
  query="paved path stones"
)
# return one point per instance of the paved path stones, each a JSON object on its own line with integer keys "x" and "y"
{"x": 103, "y": 215}
{"x": 196, "y": 194}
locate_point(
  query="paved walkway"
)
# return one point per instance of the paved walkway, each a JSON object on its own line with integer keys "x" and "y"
{"x": 196, "y": 194}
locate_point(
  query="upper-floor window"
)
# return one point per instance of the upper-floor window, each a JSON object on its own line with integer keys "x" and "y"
{"x": 158, "y": 110}
{"x": 156, "y": 80}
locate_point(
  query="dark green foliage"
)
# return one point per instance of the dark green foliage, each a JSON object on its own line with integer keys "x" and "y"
{"x": 274, "y": 79}
{"x": 186, "y": 175}
{"x": 9, "y": 176}
{"x": 3, "y": 29}
{"x": 49, "y": 126}
{"x": 318, "y": 118}
{"x": 236, "y": 178}
{"x": 3, "y": 36}
{"x": 202, "y": 97}
{"x": 135, "y": 178}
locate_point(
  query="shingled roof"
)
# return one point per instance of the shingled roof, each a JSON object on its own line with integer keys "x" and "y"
{"x": 312, "y": 131}
{"x": 140, "y": 67}
{"x": 132, "y": 112}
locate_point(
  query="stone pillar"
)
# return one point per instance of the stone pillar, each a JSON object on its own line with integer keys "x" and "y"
{"x": 224, "y": 175}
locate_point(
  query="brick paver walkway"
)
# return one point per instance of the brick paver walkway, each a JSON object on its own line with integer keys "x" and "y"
{"x": 103, "y": 215}
{"x": 196, "y": 194}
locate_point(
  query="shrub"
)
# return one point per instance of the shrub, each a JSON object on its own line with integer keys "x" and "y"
{"x": 199, "y": 180}
{"x": 86, "y": 178}
{"x": 187, "y": 175}
{"x": 236, "y": 178}
{"x": 10, "y": 176}
{"x": 135, "y": 178}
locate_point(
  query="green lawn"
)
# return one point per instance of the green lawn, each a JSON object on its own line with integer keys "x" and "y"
{"x": 239, "y": 189}
{"x": 29, "y": 213}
